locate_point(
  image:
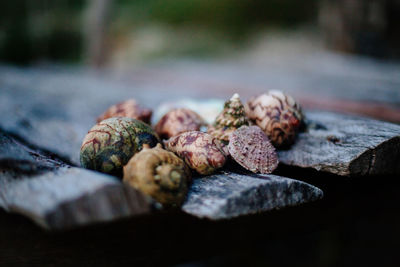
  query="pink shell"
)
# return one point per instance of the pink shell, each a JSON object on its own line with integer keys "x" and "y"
{"x": 178, "y": 121}
{"x": 199, "y": 150}
{"x": 277, "y": 114}
{"x": 129, "y": 108}
{"x": 251, "y": 148}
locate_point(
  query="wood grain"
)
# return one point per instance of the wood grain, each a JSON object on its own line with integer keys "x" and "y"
{"x": 60, "y": 196}
{"x": 228, "y": 195}
{"x": 346, "y": 146}
{"x": 52, "y": 114}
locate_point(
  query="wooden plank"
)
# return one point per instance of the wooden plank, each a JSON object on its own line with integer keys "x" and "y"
{"x": 35, "y": 104}
{"x": 346, "y": 146}
{"x": 54, "y": 109}
{"x": 69, "y": 197}
{"x": 57, "y": 196}
{"x": 228, "y": 195}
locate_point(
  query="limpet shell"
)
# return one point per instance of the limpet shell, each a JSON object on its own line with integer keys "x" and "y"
{"x": 251, "y": 148}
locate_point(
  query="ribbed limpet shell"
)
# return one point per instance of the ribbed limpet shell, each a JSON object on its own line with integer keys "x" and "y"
{"x": 251, "y": 148}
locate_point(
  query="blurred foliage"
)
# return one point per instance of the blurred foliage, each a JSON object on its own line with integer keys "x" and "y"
{"x": 40, "y": 29}
{"x": 34, "y": 30}
{"x": 232, "y": 16}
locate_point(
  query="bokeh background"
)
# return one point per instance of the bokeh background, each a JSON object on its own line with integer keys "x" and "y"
{"x": 119, "y": 33}
{"x": 341, "y": 55}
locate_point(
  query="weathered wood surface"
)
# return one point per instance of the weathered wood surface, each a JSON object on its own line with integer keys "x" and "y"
{"x": 229, "y": 195}
{"x": 69, "y": 197}
{"x": 346, "y": 146}
{"x": 53, "y": 110}
{"x": 58, "y": 196}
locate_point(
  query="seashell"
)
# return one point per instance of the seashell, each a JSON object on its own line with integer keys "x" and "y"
{"x": 160, "y": 174}
{"x": 250, "y": 147}
{"x": 200, "y": 151}
{"x": 231, "y": 118}
{"x": 278, "y": 115}
{"x": 111, "y": 143}
{"x": 208, "y": 109}
{"x": 178, "y": 121}
{"x": 129, "y": 108}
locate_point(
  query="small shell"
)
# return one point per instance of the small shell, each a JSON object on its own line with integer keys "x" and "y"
{"x": 251, "y": 148}
{"x": 231, "y": 118}
{"x": 207, "y": 109}
{"x": 178, "y": 121}
{"x": 112, "y": 142}
{"x": 278, "y": 115}
{"x": 200, "y": 151}
{"x": 160, "y": 174}
{"x": 129, "y": 108}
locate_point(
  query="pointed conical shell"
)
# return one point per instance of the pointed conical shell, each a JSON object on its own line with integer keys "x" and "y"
{"x": 231, "y": 118}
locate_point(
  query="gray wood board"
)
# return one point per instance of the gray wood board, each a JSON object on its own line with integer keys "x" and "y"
{"x": 69, "y": 197}
{"x": 229, "y": 195}
{"x": 57, "y": 196}
{"x": 53, "y": 110}
{"x": 346, "y": 146}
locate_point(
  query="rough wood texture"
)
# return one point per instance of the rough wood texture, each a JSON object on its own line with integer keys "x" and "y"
{"x": 229, "y": 195}
{"x": 53, "y": 110}
{"x": 69, "y": 197}
{"x": 57, "y": 196}
{"x": 345, "y": 145}
{"x": 15, "y": 156}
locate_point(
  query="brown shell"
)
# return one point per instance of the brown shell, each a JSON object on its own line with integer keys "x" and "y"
{"x": 251, "y": 148}
{"x": 178, "y": 121}
{"x": 199, "y": 150}
{"x": 278, "y": 115}
{"x": 129, "y": 108}
{"x": 160, "y": 174}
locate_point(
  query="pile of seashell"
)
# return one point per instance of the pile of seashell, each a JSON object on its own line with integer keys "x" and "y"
{"x": 123, "y": 143}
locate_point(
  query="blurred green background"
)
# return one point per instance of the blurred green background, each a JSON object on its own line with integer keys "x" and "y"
{"x": 106, "y": 32}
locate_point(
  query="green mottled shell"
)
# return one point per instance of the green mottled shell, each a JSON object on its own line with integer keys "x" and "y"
{"x": 110, "y": 144}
